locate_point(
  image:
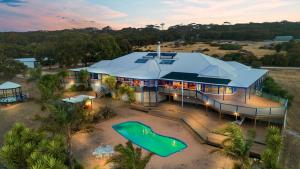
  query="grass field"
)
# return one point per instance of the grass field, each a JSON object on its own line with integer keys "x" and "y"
{"x": 199, "y": 46}
{"x": 290, "y": 80}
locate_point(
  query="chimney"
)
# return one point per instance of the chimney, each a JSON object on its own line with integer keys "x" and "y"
{"x": 158, "y": 49}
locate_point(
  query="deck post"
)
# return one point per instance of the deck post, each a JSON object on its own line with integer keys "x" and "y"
{"x": 169, "y": 91}
{"x": 156, "y": 90}
{"x": 181, "y": 93}
{"x": 245, "y": 95}
{"x": 100, "y": 80}
{"x": 223, "y": 92}
{"x": 255, "y": 122}
{"x": 220, "y": 112}
{"x": 142, "y": 93}
{"x": 249, "y": 92}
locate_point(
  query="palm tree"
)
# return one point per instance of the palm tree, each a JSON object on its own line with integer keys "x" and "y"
{"x": 271, "y": 153}
{"x": 128, "y": 157}
{"x": 236, "y": 146}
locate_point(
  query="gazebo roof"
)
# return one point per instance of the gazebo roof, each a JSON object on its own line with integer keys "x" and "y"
{"x": 78, "y": 99}
{"x": 9, "y": 85}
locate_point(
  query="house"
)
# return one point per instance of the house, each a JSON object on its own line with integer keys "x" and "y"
{"x": 29, "y": 62}
{"x": 195, "y": 71}
{"x": 182, "y": 77}
{"x": 281, "y": 39}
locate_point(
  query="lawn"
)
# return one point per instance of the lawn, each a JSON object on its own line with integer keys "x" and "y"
{"x": 290, "y": 80}
{"x": 247, "y": 45}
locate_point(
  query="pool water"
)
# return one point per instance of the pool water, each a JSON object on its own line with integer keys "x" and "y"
{"x": 143, "y": 136}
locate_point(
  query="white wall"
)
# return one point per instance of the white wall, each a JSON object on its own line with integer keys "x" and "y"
{"x": 138, "y": 97}
{"x": 29, "y": 64}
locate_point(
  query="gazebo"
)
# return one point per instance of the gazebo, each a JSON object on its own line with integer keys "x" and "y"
{"x": 80, "y": 99}
{"x": 10, "y": 93}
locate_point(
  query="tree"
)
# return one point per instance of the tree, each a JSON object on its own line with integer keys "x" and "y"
{"x": 62, "y": 119}
{"x": 26, "y": 148}
{"x": 236, "y": 146}
{"x": 84, "y": 77}
{"x": 110, "y": 82}
{"x": 9, "y": 67}
{"x": 129, "y": 157}
{"x": 270, "y": 155}
{"x": 19, "y": 142}
{"x": 50, "y": 88}
{"x": 35, "y": 74}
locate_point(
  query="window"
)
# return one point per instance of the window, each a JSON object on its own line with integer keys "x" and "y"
{"x": 95, "y": 76}
{"x": 141, "y": 61}
{"x": 167, "y": 62}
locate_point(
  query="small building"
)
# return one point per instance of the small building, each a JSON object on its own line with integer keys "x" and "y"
{"x": 84, "y": 100}
{"x": 11, "y": 93}
{"x": 28, "y": 62}
{"x": 281, "y": 39}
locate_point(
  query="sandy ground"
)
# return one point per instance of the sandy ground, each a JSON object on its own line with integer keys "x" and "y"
{"x": 22, "y": 112}
{"x": 247, "y": 45}
{"x": 196, "y": 156}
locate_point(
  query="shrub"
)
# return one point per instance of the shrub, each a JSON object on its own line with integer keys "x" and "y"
{"x": 205, "y": 50}
{"x": 271, "y": 87}
{"x": 107, "y": 112}
{"x": 230, "y": 47}
{"x": 129, "y": 91}
{"x": 80, "y": 87}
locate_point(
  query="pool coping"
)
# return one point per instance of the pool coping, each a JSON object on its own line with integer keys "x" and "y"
{"x": 186, "y": 145}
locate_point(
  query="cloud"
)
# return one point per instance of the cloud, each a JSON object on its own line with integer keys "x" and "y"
{"x": 12, "y": 3}
{"x": 56, "y": 14}
{"x": 23, "y": 15}
{"x": 235, "y": 11}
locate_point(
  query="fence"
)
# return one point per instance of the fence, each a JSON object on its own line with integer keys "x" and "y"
{"x": 231, "y": 108}
{"x": 271, "y": 97}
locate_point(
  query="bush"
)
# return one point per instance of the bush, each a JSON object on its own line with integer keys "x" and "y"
{"x": 125, "y": 89}
{"x": 275, "y": 60}
{"x": 205, "y": 50}
{"x": 107, "y": 112}
{"x": 80, "y": 87}
{"x": 273, "y": 88}
{"x": 230, "y": 47}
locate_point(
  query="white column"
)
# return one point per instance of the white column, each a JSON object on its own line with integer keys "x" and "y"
{"x": 181, "y": 93}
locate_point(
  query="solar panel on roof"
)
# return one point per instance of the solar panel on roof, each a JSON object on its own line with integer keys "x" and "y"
{"x": 167, "y": 62}
{"x": 141, "y": 61}
{"x": 152, "y": 54}
{"x": 168, "y": 54}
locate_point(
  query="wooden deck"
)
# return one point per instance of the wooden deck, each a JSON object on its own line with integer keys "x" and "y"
{"x": 256, "y": 107}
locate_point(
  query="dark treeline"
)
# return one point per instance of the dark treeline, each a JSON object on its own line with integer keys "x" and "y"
{"x": 70, "y": 47}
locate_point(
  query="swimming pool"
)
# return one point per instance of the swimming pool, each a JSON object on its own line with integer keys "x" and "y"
{"x": 143, "y": 136}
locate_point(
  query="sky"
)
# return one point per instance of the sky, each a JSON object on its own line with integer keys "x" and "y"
{"x": 31, "y": 15}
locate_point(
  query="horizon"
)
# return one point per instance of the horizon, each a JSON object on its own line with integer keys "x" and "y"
{"x": 32, "y": 15}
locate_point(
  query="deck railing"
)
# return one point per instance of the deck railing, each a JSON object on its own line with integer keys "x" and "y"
{"x": 229, "y": 108}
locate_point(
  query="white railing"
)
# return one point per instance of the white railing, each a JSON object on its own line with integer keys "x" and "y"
{"x": 232, "y": 108}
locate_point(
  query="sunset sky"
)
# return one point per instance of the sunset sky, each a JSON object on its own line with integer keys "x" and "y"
{"x": 27, "y": 15}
